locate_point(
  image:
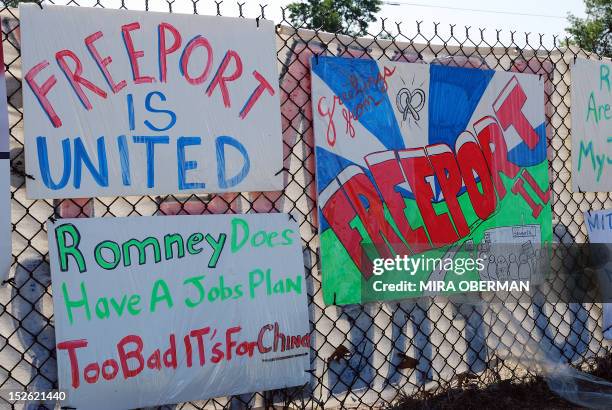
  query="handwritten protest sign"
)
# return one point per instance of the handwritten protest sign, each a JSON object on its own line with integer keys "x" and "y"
{"x": 5, "y": 191}
{"x": 429, "y": 160}
{"x": 158, "y": 310}
{"x": 129, "y": 103}
{"x": 591, "y": 90}
{"x": 599, "y": 227}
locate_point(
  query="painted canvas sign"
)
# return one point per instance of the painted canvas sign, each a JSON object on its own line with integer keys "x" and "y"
{"x": 429, "y": 160}
{"x": 591, "y": 90}
{"x": 5, "y": 176}
{"x": 599, "y": 227}
{"x": 158, "y": 310}
{"x": 135, "y": 103}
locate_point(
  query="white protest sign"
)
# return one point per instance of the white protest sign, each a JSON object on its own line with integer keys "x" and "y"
{"x": 132, "y": 103}
{"x": 159, "y": 310}
{"x": 599, "y": 228}
{"x": 591, "y": 111}
{"x": 5, "y": 176}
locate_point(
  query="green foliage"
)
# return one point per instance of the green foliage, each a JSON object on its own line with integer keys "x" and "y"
{"x": 335, "y": 16}
{"x": 15, "y": 3}
{"x": 593, "y": 33}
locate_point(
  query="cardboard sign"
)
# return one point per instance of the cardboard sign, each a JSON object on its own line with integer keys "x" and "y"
{"x": 137, "y": 103}
{"x": 5, "y": 177}
{"x": 591, "y": 89}
{"x": 417, "y": 159}
{"x": 599, "y": 228}
{"x": 158, "y": 310}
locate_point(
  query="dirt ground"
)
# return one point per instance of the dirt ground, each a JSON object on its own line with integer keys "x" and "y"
{"x": 531, "y": 393}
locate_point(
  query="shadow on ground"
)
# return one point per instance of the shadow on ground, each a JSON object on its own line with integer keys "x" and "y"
{"x": 530, "y": 393}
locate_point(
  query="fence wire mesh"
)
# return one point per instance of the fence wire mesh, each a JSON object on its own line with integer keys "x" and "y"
{"x": 362, "y": 355}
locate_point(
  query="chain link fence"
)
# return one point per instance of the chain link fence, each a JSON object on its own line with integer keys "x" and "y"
{"x": 362, "y": 355}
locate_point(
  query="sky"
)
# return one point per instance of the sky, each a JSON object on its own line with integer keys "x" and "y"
{"x": 447, "y": 12}
{"x": 497, "y": 16}
{"x": 536, "y": 16}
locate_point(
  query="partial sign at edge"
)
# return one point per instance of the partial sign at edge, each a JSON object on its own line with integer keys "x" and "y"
{"x": 591, "y": 110}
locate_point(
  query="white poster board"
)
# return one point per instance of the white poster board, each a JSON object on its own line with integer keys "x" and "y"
{"x": 159, "y": 310}
{"x": 136, "y": 103}
{"x": 5, "y": 180}
{"x": 599, "y": 227}
{"x": 591, "y": 111}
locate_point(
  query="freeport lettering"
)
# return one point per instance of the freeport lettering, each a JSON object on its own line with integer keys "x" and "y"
{"x": 169, "y": 42}
{"x": 480, "y": 163}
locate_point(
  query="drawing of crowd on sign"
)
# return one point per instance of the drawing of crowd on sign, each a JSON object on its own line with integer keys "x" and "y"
{"x": 417, "y": 159}
{"x": 148, "y": 103}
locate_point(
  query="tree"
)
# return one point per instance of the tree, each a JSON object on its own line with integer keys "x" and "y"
{"x": 593, "y": 33}
{"x": 335, "y": 16}
{"x": 15, "y": 3}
